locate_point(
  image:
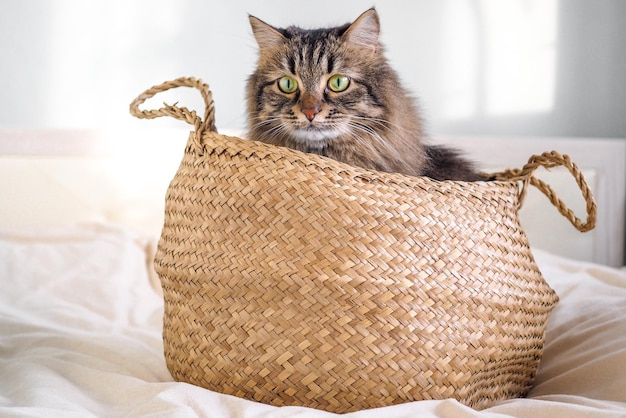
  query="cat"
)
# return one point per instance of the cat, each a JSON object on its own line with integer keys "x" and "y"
{"x": 332, "y": 92}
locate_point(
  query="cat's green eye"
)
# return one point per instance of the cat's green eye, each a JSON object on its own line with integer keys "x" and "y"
{"x": 338, "y": 83}
{"x": 287, "y": 84}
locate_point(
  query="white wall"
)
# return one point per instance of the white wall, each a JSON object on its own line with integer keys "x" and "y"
{"x": 503, "y": 67}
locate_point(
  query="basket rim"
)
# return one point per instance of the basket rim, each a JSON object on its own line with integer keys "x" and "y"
{"x": 214, "y": 142}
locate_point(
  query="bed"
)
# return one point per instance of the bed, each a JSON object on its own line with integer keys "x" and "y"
{"x": 81, "y": 308}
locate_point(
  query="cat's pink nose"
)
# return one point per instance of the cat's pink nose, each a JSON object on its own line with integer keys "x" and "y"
{"x": 310, "y": 112}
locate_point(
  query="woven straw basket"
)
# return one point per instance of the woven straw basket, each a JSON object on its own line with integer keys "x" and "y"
{"x": 292, "y": 279}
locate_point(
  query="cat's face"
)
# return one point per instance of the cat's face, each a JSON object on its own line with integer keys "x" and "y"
{"x": 313, "y": 87}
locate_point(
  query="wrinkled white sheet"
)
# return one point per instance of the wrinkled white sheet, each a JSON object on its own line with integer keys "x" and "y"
{"x": 80, "y": 335}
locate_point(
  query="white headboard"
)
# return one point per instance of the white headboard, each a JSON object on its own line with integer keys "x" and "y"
{"x": 71, "y": 176}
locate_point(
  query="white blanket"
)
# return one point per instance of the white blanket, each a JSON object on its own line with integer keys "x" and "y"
{"x": 80, "y": 335}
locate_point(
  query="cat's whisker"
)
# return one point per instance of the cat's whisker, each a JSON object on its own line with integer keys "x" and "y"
{"x": 374, "y": 141}
{"x": 390, "y": 128}
{"x": 269, "y": 125}
{"x": 274, "y": 133}
{"x": 264, "y": 122}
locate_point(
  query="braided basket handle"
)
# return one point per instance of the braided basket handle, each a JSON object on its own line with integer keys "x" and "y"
{"x": 182, "y": 113}
{"x": 549, "y": 160}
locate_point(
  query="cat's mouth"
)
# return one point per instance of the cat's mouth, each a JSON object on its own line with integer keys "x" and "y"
{"x": 312, "y": 135}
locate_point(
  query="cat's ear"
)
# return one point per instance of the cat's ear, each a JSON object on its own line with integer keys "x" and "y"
{"x": 364, "y": 31}
{"x": 266, "y": 36}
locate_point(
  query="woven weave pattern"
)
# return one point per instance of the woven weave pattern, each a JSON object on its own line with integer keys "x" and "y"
{"x": 292, "y": 279}
{"x": 289, "y": 283}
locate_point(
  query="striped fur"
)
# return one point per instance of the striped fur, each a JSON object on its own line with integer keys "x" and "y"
{"x": 374, "y": 123}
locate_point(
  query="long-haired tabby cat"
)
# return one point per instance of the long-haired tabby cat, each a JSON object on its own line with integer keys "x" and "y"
{"x": 332, "y": 92}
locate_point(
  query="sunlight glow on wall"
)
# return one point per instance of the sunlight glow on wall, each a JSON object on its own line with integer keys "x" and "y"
{"x": 521, "y": 55}
{"x": 500, "y": 57}
{"x": 460, "y": 64}
{"x": 92, "y": 48}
